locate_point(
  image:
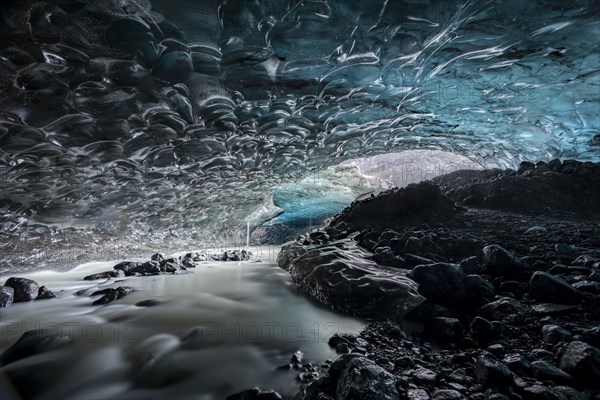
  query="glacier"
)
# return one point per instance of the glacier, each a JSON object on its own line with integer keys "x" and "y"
{"x": 134, "y": 125}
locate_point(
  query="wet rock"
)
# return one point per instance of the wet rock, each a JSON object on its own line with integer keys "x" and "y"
{"x": 158, "y": 257}
{"x": 363, "y": 379}
{"x": 25, "y": 289}
{"x": 255, "y": 394}
{"x": 479, "y": 291}
{"x": 492, "y": 373}
{"x": 441, "y": 283}
{"x": 425, "y": 377}
{"x": 553, "y": 334}
{"x": 169, "y": 265}
{"x": 34, "y": 342}
{"x": 128, "y": 34}
{"x": 417, "y": 394}
{"x": 444, "y": 330}
{"x": 553, "y": 309}
{"x": 582, "y": 361}
{"x": 341, "y": 275}
{"x": 110, "y": 295}
{"x": 544, "y": 287}
{"x": 126, "y": 266}
{"x": 146, "y": 269}
{"x": 7, "y": 296}
{"x": 338, "y": 366}
{"x": 482, "y": 329}
{"x": 412, "y": 260}
{"x": 116, "y": 273}
{"x": 447, "y": 394}
{"x": 592, "y": 336}
{"x": 174, "y": 67}
{"x": 501, "y": 308}
{"x": 588, "y": 287}
{"x": 545, "y": 371}
{"x": 45, "y": 293}
{"x": 517, "y": 363}
{"x": 497, "y": 261}
{"x": 148, "y": 303}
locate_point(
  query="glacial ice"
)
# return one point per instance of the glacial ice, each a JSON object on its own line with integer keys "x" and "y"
{"x": 162, "y": 123}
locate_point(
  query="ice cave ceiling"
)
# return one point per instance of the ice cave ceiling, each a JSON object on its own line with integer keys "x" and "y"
{"x": 144, "y": 123}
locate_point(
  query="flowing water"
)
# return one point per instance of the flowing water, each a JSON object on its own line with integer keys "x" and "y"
{"x": 224, "y": 328}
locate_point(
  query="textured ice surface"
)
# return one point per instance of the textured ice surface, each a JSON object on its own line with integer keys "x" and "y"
{"x": 131, "y": 125}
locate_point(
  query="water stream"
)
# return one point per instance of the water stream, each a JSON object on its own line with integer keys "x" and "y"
{"x": 224, "y": 328}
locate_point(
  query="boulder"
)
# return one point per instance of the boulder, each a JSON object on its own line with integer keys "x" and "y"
{"x": 582, "y": 361}
{"x": 544, "y": 287}
{"x": 363, "y": 379}
{"x": 546, "y": 371}
{"x": 110, "y": 295}
{"x": 34, "y": 342}
{"x": 443, "y": 330}
{"x": 45, "y": 293}
{"x": 553, "y": 334}
{"x": 255, "y": 394}
{"x": 25, "y": 289}
{"x": 342, "y": 276}
{"x": 492, "y": 373}
{"x": 441, "y": 283}
{"x": 116, "y": 273}
{"x": 7, "y": 296}
{"x": 498, "y": 261}
{"x": 501, "y": 308}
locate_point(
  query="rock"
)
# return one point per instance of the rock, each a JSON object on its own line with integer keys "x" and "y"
{"x": 34, "y": 342}
{"x": 501, "y": 308}
{"x": 517, "y": 363}
{"x": 536, "y": 230}
{"x": 384, "y": 256}
{"x": 45, "y": 293}
{"x": 554, "y": 334}
{"x": 482, "y": 329}
{"x": 440, "y": 283}
{"x": 126, "y": 266}
{"x": 582, "y": 361}
{"x": 443, "y": 330}
{"x": 255, "y": 394}
{"x": 148, "y": 303}
{"x": 540, "y": 392}
{"x": 116, "y": 273}
{"x": 412, "y": 260}
{"x": 497, "y": 261}
{"x": 111, "y": 295}
{"x": 425, "y": 377}
{"x": 553, "y": 309}
{"x": 496, "y": 349}
{"x": 588, "y": 287}
{"x": 567, "y": 393}
{"x": 338, "y": 366}
{"x": 363, "y": 379}
{"x": 417, "y": 394}
{"x": 545, "y": 371}
{"x": 492, "y": 373}
{"x": 592, "y": 336}
{"x": 158, "y": 257}
{"x": 169, "y": 265}
{"x": 544, "y": 287}
{"x": 146, "y": 269}
{"x": 479, "y": 291}
{"x": 25, "y": 289}
{"x": 341, "y": 275}
{"x": 447, "y": 394}
{"x": 7, "y": 296}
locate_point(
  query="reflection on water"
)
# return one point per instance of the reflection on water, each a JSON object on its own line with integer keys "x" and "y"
{"x": 222, "y": 329}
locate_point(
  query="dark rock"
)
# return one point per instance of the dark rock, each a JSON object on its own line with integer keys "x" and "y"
{"x": 447, "y": 394}
{"x": 482, "y": 329}
{"x": 34, "y": 342}
{"x": 567, "y": 393}
{"x": 169, "y": 265}
{"x": 417, "y": 394}
{"x": 339, "y": 365}
{"x": 425, "y": 377}
{"x": 553, "y": 309}
{"x": 25, "y": 289}
{"x": 427, "y": 311}
{"x": 255, "y": 394}
{"x": 544, "y": 287}
{"x": 384, "y": 256}
{"x": 412, "y": 260}
{"x": 341, "y": 275}
{"x": 540, "y": 392}
{"x": 441, "y": 283}
{"x": 501, "y": 309}
{"x": 592, "y": 336}
{"x": 517, "y": 363}
{"x": 146, "y": 269}
{"x": 496, "y": 349}
{"x": 443, "y": 330}
{"x": 554, "y": 334}
{"x": 363, "y": 379}
{"x": 492, "y": 373}
{"x": 158, "y": 257}
{"x": 7, "y": 296}
{"x": 148, "y": 303}
{"x": 111, "y": 295}
{"x": 126, "y": 266}
{"x": 545, "y": 371}
{"x": 497, "y": 261}
{"x": 174, "y": 67}
{"x": 588, "y": 287}
{"x": 582, "y": 361}
{"x": 514, "y": 287}
{"x": 479, "y": 291}
{"x": 45, "y": 293}
{"x": 116, "y": 273}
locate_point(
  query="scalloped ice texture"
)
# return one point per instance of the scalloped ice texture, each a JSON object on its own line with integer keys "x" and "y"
{"x": 134, "y": 125}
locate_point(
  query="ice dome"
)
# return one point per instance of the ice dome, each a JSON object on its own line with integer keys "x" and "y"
{"x": 127, "y": 125}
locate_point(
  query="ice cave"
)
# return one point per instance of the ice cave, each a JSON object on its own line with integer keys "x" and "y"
{"x": 300, "y": 199}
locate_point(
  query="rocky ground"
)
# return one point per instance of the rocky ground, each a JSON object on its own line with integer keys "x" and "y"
{"x": 501, "y": 269}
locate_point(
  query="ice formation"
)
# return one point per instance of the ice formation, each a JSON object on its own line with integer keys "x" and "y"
{"x": 126, "y": 124}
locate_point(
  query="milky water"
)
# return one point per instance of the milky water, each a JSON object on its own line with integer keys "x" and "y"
{"x": 224, "y": 328}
